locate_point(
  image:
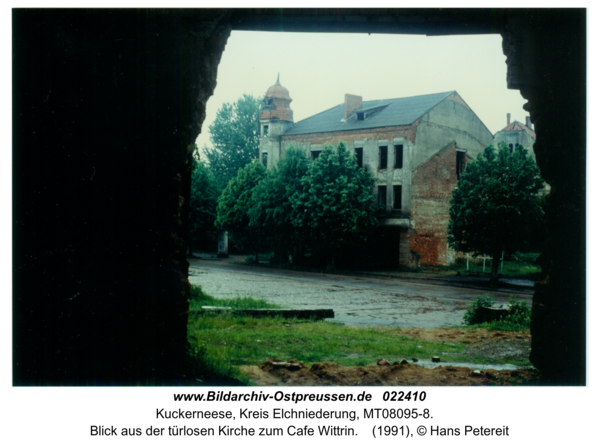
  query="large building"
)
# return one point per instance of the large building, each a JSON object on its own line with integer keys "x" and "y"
{"x": 415, "y": 148}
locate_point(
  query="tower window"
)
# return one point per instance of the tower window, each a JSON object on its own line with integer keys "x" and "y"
{"x": 397, "y": 197}
{"x": 398, "y": 154}
{"x": 383, "y": 157}
{"x": 265, "y": 130}
{"x": 381, "y": 195}
{"x": 359, "y": 156}
{"x": 460, "y": 163}
{"x": 264, "y": 159}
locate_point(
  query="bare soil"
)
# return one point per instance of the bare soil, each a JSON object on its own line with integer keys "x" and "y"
{"x": 480, "y": 342}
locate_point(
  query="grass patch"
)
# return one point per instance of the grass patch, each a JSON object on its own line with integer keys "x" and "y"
{"x": 249, "y": 341}
{"x": 216, "y": 363}
{"x": 222, "y": 342}
{"x": 199, "y": 299}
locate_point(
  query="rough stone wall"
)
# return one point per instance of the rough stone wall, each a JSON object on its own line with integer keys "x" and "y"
{"x": 432, "y": 185}
{"x": 107, "y": 105}
{"x": 536, "y": 44}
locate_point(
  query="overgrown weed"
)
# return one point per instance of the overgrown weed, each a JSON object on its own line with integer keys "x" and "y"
{"x": 518, "y": 318}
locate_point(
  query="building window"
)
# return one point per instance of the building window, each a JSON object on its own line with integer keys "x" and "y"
{"x": 381, "y": 195}
{"x": 397, "y": 197}
{"x": 264, "y": 159}
{"x": 383, "y": 157}
{"x": 460, "y": 162}
{"x": 359, "y": 156}
{"x": 398, "y": 153}
{"x": 510, "y": 146}
{"x": 360, "y": 116}
{"x": 265, "y": 130}
{"x": 315, "y": 154}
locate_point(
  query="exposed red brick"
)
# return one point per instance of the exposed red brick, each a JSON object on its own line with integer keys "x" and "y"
{"x": 349, "y": 136}
{"x": 432, "y": 185}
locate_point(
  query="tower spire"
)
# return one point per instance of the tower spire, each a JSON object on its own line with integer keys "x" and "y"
{"x": 277, "y": 83}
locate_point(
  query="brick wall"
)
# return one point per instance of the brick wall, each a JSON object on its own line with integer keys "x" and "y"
{"x": 283, "y": 111}
{"x": 432, "y": 185}
{"x": 333, "y": 138}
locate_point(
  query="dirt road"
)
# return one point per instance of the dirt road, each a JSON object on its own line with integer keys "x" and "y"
{"x": 355, "y": 299}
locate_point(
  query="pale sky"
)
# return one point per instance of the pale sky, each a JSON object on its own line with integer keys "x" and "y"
{"x": 319, "y": 68}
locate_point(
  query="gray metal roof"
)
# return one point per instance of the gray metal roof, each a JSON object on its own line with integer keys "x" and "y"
{"x": 398, "y": 112}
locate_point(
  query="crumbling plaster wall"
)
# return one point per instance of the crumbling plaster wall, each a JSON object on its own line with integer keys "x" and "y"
{"x": 447, "y": 122}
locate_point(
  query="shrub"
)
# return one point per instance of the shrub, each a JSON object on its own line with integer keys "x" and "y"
{"x": 473, "y": 315}
{"x": 518, "y": 318}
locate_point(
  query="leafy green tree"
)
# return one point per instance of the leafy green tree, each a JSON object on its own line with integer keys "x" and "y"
{"x": 273, "y": 203}
{"x": 233, "y": 209}
{"x": 335, "y": 208}
{"x": 234, "y": 136}
{"x": 497, "y": 205}
{"x": 203, "y": 207}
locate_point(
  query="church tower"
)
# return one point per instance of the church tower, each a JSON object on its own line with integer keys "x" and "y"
{"x": 276, "y": 117}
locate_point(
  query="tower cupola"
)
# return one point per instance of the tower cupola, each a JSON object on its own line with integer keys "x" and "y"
{"x": 276, "y": 104}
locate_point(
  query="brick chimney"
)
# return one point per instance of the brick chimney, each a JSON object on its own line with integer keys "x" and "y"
{"x": 508, "y": 119}
{"x": 528, "y": 122}
{"x": 351, "y": 103}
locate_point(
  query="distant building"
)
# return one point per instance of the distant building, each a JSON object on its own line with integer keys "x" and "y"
{"x": 415, "y": 148}
{"x": 516, "y": 133}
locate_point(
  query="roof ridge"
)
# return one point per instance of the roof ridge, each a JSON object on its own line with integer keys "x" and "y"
{"x": 446, "y": 94}
{"x": 477, "y": 116}
{"x": 372, "y": 100}
{"x": 415, "y": 96}
{"x": 524, "y": 126}
{"x": 400, "y": 111}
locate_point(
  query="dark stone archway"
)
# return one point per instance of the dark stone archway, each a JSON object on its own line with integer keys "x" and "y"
{"x": 546, "y": 61}
{"x": 106, "y": 106}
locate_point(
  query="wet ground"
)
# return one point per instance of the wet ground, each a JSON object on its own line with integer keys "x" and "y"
{"x": 358, "y": 300}
{"x": 495, "y": 345}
